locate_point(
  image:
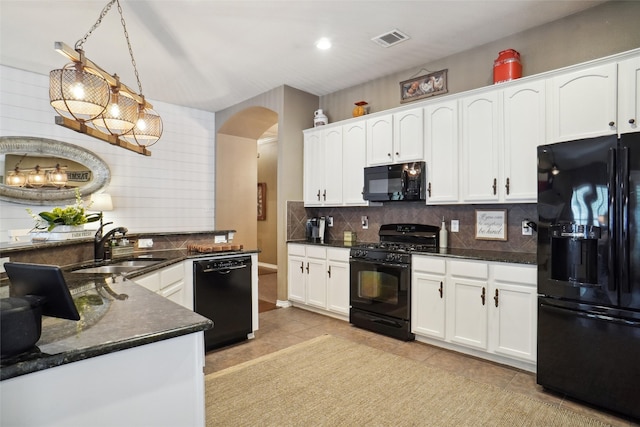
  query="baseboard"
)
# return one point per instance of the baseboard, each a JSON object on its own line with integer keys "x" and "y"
{"x": 267, "y": 265}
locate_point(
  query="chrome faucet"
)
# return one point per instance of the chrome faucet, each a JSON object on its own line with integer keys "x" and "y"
{"x": 99, "y": 240}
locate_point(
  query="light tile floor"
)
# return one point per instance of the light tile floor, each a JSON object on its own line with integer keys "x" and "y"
{"x": 285, "y": 327}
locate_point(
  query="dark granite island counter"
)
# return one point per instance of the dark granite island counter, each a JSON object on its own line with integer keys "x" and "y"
{"x": 134, "y": 358}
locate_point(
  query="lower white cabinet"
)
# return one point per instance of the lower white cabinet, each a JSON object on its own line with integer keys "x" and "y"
{"x": 318, "y": 278}
{"x": 168, "y": 282}
{"x": 488, "y": 309}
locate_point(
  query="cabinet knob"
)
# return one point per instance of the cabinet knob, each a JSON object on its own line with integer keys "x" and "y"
{"x": 307, "y": 268}
{"x": 440, "y": 290}
{"x": 429, "y": 189}
{"x": 632, "y": 121}
{"x": 507, "y": 186}
{"x": 397, "y": 154}
{"x": 329, "y": 271}
{"x": 302, "y": 267}
{"x": 318, "y": 195}
{"x": 388, "y": 154}
{"x": 324, "y": 195}
{"x": 495, "y": 186}
{"x": 612, "y": 124}
{"x": 496, "y": 298}
{"x": 483, "y": 295}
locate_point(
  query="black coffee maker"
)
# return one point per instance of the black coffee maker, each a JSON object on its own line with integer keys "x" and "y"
{"x": 316, "y": 230}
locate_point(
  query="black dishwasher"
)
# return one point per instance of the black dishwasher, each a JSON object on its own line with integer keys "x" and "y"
{"x": 222, "y": 293}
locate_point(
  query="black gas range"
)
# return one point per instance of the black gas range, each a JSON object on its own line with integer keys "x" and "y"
{"x": 380, "y": 278}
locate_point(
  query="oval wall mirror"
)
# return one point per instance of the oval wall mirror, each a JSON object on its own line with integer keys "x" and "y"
{"x": 84, "y": 170}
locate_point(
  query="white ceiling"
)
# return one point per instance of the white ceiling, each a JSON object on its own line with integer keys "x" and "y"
{"x": 211, "y": 54}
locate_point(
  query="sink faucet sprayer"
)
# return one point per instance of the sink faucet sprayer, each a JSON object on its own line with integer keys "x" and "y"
{"x": 99, "y": 240}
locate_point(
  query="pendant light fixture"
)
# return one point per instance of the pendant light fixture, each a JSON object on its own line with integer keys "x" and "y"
{"x": 36, "y": 178}
{"x": 16, "y": 178}
{"x": 94, "y": 102}
{"x": 58, "y": 177}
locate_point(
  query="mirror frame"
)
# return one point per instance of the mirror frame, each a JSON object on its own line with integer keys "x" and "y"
{"x": 43, "y": 146}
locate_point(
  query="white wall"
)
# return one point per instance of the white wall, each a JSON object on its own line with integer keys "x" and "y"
{"x": 172, "y": 190}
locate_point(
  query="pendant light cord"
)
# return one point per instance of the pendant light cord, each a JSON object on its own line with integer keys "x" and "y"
{"x": 80, "y": 43}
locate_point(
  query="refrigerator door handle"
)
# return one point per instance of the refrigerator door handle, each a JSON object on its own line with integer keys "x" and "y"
{"x": 590, "y": 315}
{"x": 623, "y": 245}
{"x": 612, "y": 221}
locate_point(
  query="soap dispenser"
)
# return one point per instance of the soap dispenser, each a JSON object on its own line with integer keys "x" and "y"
{"x": 443, "y": 235}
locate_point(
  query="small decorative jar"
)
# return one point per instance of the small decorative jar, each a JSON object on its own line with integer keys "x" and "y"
{"x": 319, "y": 118}
{"x": 360, "y": 109}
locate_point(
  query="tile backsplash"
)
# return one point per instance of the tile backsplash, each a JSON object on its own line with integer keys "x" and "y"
{"x": 349, "y": 219}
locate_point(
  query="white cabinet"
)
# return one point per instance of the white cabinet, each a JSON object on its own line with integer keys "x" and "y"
{"x": 395, "y": 138}
{"x": 441, "y": 152}
{"x": 354, "y": 160}
{"x": 501, "y": 130}
{"x": 480, "y": 144}
{"x": 427, "y": 296}
{"x": 629, "y": 95}
{"x": 318, "y": 277}
{"x": 168, "y": 282}
{"x": 524, "y": 125}
{"x": 380, "y": 140}
{"x": 488, "y": 309}
{"x": 338, "y": 280}
{"x": 513, "y": 311}
{"x": 467, "y": 313}
{"x": 583, "y": 103}
{"x": 323, "y": 166}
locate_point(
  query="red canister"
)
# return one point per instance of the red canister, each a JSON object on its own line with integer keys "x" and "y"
{"x": 507, "y": 66}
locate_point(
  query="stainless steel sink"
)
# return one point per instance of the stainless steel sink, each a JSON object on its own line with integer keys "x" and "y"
{"x": 119, "y": 267}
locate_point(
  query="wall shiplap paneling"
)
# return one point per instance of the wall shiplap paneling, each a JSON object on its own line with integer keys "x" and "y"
{"x": 172, "y": 190}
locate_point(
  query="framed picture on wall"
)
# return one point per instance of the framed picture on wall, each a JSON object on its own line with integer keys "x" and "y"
{"x": 424, "y": 86}
{"x": 262, "y": 201}
{"x": 491, "y": 224}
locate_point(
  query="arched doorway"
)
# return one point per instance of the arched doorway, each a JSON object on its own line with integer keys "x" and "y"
{"x": 242, "y": 164}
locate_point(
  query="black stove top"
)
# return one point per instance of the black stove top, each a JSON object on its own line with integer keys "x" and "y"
{"x": 398, "y": 241}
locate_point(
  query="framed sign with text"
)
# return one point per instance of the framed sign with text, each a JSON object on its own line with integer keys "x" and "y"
{"x": 491, "y": 224}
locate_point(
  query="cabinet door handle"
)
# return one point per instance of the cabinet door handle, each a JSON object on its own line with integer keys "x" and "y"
{"x": 397, "y": 154}
{"x": 329, "y": 271}
{"x": 324, "y": 195}
{"x": 632, "y": 121}
{"x": 429, "y": 190}
{"x": 612, "y": 124}
{"x": 496, "y": 298}
{"x": 308, "y": 270}
{"x": 318, "y": 194}
{"x": 302, "y": 266}
{"x": 507, "y": 186}
{"x": 495, "y": 186}
{"x": 440, "y": 290}
{"x": 484, "y": 294}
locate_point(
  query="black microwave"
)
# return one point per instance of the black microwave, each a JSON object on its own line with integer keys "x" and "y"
{"x": 405, "y": 181}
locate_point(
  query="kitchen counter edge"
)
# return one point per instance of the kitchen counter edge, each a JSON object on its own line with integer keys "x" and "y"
{"x": 469, "y": 254}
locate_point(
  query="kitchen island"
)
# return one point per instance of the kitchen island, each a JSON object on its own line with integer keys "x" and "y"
{"x": 134, "y": 358}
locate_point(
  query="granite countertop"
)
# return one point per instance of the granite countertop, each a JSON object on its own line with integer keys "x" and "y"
{"x": 116, "y": 314}
{"x": 471, "y": 254}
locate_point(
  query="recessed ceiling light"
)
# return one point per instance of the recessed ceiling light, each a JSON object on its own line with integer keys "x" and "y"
{"x": 323, "y": 44}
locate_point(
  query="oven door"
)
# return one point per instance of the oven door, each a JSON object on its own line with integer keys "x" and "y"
{"x": 380, "y": 287}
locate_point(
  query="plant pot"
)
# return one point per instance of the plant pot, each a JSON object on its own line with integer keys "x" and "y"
{"x": 68, "y": 228}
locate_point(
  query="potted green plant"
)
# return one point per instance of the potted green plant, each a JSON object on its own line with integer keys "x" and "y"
{"x": 72, "y": 215}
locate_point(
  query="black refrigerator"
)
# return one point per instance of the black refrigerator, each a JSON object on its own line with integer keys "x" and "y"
{"x": 589, "y": 270}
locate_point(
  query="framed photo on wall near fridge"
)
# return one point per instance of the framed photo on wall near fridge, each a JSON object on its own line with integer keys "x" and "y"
{"x": 491, "y": 224}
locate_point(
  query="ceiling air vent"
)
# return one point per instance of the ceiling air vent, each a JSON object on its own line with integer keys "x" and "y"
{"x": 390, "y": 38}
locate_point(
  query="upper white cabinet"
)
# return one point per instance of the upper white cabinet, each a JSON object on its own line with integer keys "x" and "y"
{"x": 524, "y": 129}
{"x": 441, "y": 151}
{"x": 480, "y": 143}
{"x": 323, "y": 166}
{"x": 629, "y": 95}
{"x": 354, "y": 149}
{"x": 408, "y": 136}
{"x": 583, "y": 103}
{"x": 395, "y": 138}
{"x": 380, "y": 140}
